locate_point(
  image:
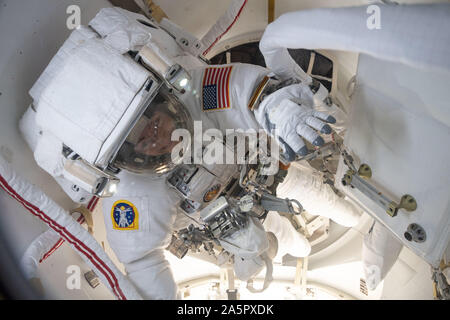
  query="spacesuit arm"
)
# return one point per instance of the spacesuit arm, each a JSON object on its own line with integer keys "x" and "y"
{"x": 355, "y": 29}
{"x": 223, "y": 25}
{"x": 362, "y": 30}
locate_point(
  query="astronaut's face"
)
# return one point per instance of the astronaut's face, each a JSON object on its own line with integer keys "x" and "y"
{"x": 155, "y": 139}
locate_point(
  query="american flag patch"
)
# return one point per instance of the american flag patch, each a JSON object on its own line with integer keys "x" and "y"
{"x": 216, "y": 88}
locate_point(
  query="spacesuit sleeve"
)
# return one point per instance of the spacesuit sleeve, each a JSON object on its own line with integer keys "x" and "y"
{"x": 355, "y": 29}
{"x": 225, "y": 93}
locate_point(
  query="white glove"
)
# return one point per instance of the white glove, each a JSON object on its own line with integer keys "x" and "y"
{"x": 290, "y": 112}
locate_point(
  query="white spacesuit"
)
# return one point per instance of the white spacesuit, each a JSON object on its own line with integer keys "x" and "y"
{"x": 104, "y": 111}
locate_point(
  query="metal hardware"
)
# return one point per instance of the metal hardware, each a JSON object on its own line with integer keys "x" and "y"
{"x": 408, "y": 203}
{"x": 272, "y": 203}
{"x": 441, "y": 287}
{"x": 415, "y": 233}
{"x": 365, "y": 171}
{"x": 359, "y": 180}
{"x": 178, "y": 247}
{"x": 92, "y": 279}
{"x": 324, "y": 151}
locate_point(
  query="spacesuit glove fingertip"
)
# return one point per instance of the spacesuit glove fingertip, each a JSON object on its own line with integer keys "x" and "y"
{"x": 318, "y": 142}
{"x": 331, "y": 119}
{"x": 303, "y": 151}
{"x": 326, "y": 129}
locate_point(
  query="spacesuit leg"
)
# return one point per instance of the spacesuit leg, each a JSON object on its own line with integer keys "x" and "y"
{"x": 379, "y": 253}
{"x": 317, "y": 198}
{"x": 41, "y": 248}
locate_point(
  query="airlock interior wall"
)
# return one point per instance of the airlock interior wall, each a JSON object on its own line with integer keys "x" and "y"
{"x": 31, "y": 32}
{"x": 400, "y": 127}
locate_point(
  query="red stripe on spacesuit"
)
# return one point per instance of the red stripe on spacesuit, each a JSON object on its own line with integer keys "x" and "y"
{"x": 60, "y": 230}
{"x": 53, "y": 249}
{"x": 95, "y": 204}
{"x": 90, "y": 202}
{"x": 91, "y": 206}
{"x": 228, "y": 29}
{"x": 58, "y": 243}
{"x": 103, "y": 268}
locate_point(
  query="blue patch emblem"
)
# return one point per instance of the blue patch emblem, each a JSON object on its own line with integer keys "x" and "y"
{"x": 124, "y": 216}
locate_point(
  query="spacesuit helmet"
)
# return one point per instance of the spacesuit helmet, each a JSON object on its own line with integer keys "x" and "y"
{"x": 109, "y": 110}
{"x": 147, "y": 149}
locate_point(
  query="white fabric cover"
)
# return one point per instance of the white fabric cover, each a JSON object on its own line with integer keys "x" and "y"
{"x": 108, "y": 82}
{"x": 77, "y": 37}
{"x": 346, "y": 29}
{"x": 48, "y": 154}
{"x": 125, "y": 31}
{"x": 317, "y": 198}
{"x": 379, "y": 253}
{"x": 38, "y": 204}
{"x": 29, "y": 129}
{"x": 121, "y": 29}
{"x": 45, "y": 146}
{"x": 52, "y": 162}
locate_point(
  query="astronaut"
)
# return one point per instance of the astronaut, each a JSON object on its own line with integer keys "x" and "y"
{"x": 104, "y": 113}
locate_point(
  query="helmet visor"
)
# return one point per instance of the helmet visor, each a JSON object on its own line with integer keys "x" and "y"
{"x": 148, "y": 147}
